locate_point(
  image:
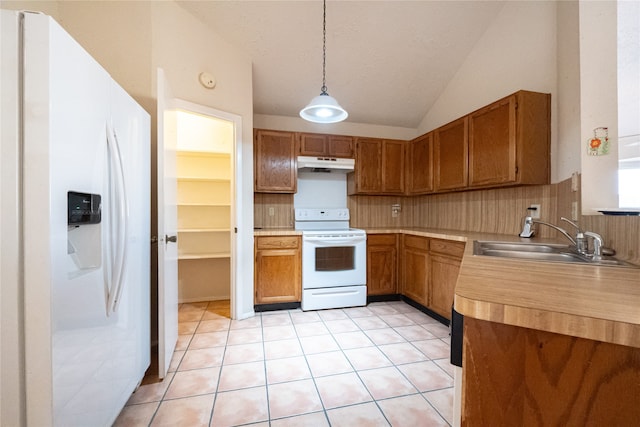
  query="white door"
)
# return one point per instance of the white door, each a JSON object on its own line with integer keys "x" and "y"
{"x": 167, "y": 227}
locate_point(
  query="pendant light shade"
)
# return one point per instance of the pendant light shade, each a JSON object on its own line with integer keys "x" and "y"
{"x": 324, "y": 108}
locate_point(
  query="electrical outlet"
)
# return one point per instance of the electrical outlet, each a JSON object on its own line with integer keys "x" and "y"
{"x": 272, "y": 211}
{"x": 534, "y": 211}
{"x": 395, "y": 210}
{"x": 574, "y": 182}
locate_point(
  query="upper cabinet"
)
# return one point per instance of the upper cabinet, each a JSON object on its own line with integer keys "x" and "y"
{"x": 420, "y": 165}
{"x": 320, "y": 145}
{"x": 367, "y": 177}
{"x": 503, "y": 144}
{"x": 379, "y": 167}
{"x": 509, "y": 141}
{"x": 275, "y": 161}
{"x": 451, "y": 153}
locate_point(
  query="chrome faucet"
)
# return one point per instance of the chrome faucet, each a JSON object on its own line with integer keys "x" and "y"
{"x": 581, "y": 241}
{"x": 597, "y": 244}
{"x": 529, "y": 229}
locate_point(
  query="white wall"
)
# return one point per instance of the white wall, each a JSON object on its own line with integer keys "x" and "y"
{"x": 184, "y": 47}
{"x": 568, "y": 159}
{"x": 598, "y": 102}
{"x": 518, "y": 51}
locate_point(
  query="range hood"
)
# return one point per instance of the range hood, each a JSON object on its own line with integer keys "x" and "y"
{"x": 325, "y": 164}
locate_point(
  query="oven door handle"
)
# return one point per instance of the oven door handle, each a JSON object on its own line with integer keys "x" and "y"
{"x": 334, "y": 240}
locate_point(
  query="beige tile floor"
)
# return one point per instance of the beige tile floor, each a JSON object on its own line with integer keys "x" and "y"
{"x": 380, "y": 365}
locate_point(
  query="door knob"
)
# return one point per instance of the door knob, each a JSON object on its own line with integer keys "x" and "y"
{"x": 172, "y": 239}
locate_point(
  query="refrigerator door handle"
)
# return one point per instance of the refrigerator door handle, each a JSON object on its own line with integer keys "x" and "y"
{"x": 119, "y": 211}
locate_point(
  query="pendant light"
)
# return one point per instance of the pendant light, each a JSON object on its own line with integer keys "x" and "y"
{"x": 324, "y": 108}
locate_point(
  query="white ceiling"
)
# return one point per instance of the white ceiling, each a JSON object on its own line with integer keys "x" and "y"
{"x": 387, "y": 61}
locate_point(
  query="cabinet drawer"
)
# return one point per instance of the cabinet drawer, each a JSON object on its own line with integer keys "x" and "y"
{"x": 447, "y": 247}
{"x": 278, "y": 242}
{"x": 416, "y": 242}
{"x": 381, "y": 239}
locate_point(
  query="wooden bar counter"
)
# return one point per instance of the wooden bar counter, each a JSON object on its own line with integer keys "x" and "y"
{"x": 548, "y": 343}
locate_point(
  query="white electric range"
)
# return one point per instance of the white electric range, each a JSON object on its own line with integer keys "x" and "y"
{"x": 334, "y": 259}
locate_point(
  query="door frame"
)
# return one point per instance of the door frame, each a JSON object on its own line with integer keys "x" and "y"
{"x": 236, "y": 187}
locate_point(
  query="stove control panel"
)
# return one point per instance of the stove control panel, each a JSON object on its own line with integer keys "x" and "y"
{"x": 336, "y": 214}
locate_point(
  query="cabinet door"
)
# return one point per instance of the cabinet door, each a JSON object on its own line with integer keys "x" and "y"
{"x": 368, "y": 165}
{"x": 420, "y": 165}
{"x": 341, "y": 146}
{"x": 444, "y": 274}
{"x": 392, "y": 167}
{"x": 382, "y": 265}
{"x": 492, "y": 144}
{"x": 278, "y": 270}
{"x": 312, "y": 144}
{"x": 275, "y": 162}
{"x": 451, "y": 150}
{"x": 415, "y": 268}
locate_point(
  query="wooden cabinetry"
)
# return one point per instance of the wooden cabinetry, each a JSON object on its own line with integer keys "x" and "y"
{"x": 429, "y": 271}
{"x": 315, "y": 144}
{"x": 515, "y": 376}
{"x": 445, "y": 258}
{"x": 415, "y": 268}
{"x": 275, "y": 161}
{"x": 509, "y": 141}
{"x": 278, "y": 266}
{"x": 382, "y": 264}
{"x": 204, "y": 224}
{"x": 379, "y": 167}
{"x": 450, "y": 155}
{"x": 392, "y": 166}
{"x": 420, "y": 165}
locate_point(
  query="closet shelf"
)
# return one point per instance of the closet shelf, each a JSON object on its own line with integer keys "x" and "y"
{"x": 202, "y": 179}
{"x": 204, "y": 230}
{"x": 222, "y": 205}
{"x": 215, "y": 255}
{"x": 188, "y": 153}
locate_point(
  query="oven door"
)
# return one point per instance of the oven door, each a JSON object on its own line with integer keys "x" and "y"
{"x": 334, "y": 260}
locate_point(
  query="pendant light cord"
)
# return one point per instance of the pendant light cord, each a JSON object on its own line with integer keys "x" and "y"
{"x": 324, "y": 47}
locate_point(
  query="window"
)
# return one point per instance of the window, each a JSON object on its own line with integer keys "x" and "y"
{"x": 628, "y": 104}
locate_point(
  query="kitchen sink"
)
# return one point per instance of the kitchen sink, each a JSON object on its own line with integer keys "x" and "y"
{"x": 543, "y": 252}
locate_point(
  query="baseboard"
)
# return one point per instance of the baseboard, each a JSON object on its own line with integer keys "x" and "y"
{"x": 277, "y": 306}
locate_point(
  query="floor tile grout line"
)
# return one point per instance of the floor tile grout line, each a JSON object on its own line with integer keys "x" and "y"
{"x": 266, "y": 377}
{"x": 162, "y": 398}
{"x": 313, "y": 377}
{"x": 396, "y": 367}
{"x": 215, "y": 394}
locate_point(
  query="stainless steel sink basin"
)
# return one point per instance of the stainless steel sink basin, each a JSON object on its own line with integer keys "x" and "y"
{"x": 542, "y": 252}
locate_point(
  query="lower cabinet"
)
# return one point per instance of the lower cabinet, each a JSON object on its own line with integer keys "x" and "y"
{"x": 382, "y": 264}
{"x": 429, "y": 271}
{"x": 278, "y": 266}
{"x": 516, "y": 376}
{"x": 445, "y": 258}
{"x": 415, "y": 268}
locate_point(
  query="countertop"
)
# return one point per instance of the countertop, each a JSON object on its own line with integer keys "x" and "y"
{"x": 587, "y": 301}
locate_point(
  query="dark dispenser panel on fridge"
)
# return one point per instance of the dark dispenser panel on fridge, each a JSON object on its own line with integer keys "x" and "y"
{"x": 84, "y": 233}
{"x": 83, "y": 208}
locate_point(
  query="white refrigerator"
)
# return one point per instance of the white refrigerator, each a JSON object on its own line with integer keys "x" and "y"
{"x": 75, "y": 225}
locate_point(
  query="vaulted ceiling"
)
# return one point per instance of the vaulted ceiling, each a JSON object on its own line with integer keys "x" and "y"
{"x": 387, "y": 61}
